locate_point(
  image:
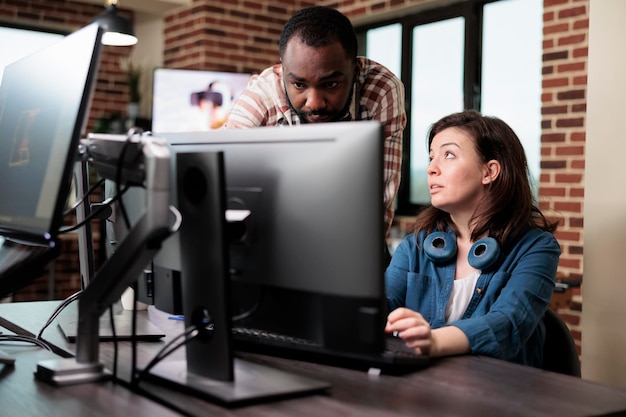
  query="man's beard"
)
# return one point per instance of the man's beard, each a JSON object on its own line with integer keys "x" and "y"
{"x": 341, "y": 116}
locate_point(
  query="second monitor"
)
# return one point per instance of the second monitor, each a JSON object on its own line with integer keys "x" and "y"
{"x": 306, "y": 260}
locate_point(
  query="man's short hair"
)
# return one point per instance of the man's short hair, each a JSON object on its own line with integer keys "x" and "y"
{"x": 319, "y": 26}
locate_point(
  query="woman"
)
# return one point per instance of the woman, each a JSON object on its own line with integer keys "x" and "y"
{"x": 478, "y": 273}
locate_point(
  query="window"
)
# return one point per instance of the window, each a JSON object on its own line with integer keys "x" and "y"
{"x": 481, "y": 54}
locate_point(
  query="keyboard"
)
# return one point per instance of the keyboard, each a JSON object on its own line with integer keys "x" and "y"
{"x": 397, "y": 358}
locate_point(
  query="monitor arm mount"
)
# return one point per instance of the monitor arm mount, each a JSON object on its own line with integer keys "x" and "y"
{"x": 136, "y": 160}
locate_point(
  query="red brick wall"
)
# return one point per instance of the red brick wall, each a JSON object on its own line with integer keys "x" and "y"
{"x": 225, "y": 35}
{"x": 242, "y": 36}
{"x": 564, "y": 98}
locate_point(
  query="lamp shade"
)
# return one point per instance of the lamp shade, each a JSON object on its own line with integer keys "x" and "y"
{"x": 118, "y": 30}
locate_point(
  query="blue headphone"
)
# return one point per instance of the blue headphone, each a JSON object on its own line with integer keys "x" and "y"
{"x": 441, "y": 247}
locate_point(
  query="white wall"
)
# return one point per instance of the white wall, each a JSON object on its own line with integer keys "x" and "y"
{"x": 604, "y": 290}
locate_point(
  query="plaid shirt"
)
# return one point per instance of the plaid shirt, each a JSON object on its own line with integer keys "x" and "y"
{"x": 381, "y": 97}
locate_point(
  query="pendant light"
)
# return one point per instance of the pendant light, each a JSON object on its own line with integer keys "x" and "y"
{"x": 119, "y": 30}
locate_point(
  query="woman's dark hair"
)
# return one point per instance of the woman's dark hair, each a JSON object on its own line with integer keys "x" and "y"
{"x": 509, "y": 207}
{"x": 320, "y": 26}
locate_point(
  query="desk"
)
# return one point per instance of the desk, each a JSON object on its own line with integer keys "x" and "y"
{"x": 455, "y": 386}
{"x": 22, "y": 395}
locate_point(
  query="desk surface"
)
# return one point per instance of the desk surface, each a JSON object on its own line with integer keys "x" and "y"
{"x": 455, "y": 386}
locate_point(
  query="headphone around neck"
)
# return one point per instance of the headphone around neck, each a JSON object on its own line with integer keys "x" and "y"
{"x": 441, "y": 247}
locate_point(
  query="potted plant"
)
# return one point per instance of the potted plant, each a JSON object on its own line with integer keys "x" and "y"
{"x": 133, "y": 76}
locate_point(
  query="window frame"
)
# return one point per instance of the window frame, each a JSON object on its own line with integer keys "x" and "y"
{"x": 472, "y": 12}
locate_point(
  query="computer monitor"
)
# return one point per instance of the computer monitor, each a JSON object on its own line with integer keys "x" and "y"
{"x": 306, "y": 257}
{"x": 210, "y": 369}
{"x": 186, "y": 100}
{"x": 44, "y": 101}
{"x": 293, "y": 244}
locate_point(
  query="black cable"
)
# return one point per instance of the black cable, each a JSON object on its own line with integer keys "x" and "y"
{"x": 119, "y": 170}
{"x": 58, "y": 311}
{"x": 188, "y": 335}
{"x": 251, "y": 310}
{"x": 119, "y": 191}
{"x": 114, "y": 338}
{"x": 95, "y": 213}
{"x": 26, "y": 339}
{"x": 84, "y": 197}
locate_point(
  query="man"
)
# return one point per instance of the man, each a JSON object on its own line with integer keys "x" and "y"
{"x": 321, "y": 79}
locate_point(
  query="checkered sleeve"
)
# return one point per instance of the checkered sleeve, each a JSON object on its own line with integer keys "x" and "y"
{"x": 383, "y": 95}
{"x": 262, "y": 103}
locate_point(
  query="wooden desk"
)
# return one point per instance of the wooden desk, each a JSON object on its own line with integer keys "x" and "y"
{"x": 456, "y": 386}
{"x": 22, "y": 395}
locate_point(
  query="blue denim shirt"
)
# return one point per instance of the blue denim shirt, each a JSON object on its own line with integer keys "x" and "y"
{"x": 504, "y": 317}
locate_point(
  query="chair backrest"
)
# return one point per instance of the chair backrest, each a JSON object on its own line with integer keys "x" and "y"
{"x": 559, "y": 349}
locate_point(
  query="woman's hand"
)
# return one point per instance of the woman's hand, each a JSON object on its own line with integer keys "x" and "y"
{"x": 411, "y": 327}
{"x": 416, "y": 332}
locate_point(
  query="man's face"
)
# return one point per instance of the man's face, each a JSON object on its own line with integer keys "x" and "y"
{"x": 318, "y": 81}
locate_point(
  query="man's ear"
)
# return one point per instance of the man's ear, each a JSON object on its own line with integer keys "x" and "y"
{"x": 357, "y": 69}
{"x": 492, "y": 170}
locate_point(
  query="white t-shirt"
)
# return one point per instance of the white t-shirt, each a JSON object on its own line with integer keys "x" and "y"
{"x": 461, "y": 296}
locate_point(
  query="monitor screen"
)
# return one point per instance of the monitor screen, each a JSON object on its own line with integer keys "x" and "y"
{"x": 193, "y": 100}
{"x": 305, "y": 253}
{"x": 44, "y": 100}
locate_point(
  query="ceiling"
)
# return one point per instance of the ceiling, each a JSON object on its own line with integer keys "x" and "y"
{"x": 154, "y": 7}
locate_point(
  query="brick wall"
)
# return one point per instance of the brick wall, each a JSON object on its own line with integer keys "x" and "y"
{"x": 226, "y": 35}
{"x": 564, "y": 105}
{"x": 242, "y": 36}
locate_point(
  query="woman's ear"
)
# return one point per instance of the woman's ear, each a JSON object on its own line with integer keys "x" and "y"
{"x": 492, "y": 171}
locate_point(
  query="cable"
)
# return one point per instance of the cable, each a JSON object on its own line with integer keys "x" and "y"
{"x": 247, "y": 313}
{"x": 58, "y": 310}
{"x": 94, "y": 214}
{"x": 84, "y": 197}
{"x": 119, "y": 169}
{"x": 251, "y": 310}
{"x": 114, "y": 337}
{"x": 119, "y": 191}
{"x": 26, "y": 339}
{"x": 188, "y": 335}
{"x": 178, "y": 219}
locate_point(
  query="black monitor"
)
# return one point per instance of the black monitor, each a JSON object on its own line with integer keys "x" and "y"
{"x": 306, "y": 258}
{"x": 290, "y": 240}
{"x": 44, "y": 101}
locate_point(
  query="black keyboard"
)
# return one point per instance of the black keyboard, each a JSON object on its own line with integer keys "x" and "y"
{"x": 397, "y": 358}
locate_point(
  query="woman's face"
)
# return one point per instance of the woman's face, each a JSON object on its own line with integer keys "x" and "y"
{"x": 456, "y": 174}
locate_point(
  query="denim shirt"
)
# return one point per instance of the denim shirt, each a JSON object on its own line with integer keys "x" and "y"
{"x": 504, "y": 317}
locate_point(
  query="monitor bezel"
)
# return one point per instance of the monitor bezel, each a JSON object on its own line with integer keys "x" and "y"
{"x": 45, "y": 230}
{"x": 355, "y": 303}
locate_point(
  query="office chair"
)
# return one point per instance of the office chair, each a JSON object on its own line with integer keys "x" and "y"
{"x": 559, "y": 350}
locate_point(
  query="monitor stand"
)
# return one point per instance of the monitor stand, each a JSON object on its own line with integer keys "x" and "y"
{"x": 143, "y": 330}
{"x": 210, "y": 370}
{"x": 121, "y": 330}
{"x": 252, "y": 382}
